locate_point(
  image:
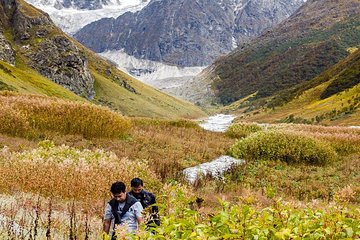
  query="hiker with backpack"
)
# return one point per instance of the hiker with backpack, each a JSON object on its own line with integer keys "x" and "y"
{"x": 146, "y": 199}
{"x": 121, "y": 209}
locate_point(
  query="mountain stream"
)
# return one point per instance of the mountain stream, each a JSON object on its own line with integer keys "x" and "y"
{"x": 217, "y": 167}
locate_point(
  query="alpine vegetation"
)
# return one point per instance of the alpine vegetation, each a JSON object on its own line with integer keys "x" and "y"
{"x": 30, "y": 115}
{"x": 240, "y": 130}
{"x": 284, "y": 146}
{"x": 60, "y": 152}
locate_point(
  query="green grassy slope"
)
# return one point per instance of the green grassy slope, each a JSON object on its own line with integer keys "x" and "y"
{"x": 333, "y": 98}
{"x": 145, "y": 102}
{"x": 113, "y": 87}
{"x": 26, "y": 80}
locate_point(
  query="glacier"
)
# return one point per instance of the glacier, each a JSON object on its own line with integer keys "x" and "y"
{"x": 167, "y": 78}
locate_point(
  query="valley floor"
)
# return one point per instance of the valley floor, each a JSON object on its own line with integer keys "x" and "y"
{"x": 309, "y": 188}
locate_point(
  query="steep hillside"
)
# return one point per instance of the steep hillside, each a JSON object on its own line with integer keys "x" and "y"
{"x": 313, "y": 39}
{"x": 32, "y": 46}
{"x": 186, "y": 32}
{"x": 332, "y": 98}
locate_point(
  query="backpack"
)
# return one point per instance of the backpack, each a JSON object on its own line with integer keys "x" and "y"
{"x": 146, "y": 199}
{"x": 129, "y": 201}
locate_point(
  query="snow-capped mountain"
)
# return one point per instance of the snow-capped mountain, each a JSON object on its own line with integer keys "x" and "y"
{"x": 165, "y": 43}
{"x": 72, "y": 15}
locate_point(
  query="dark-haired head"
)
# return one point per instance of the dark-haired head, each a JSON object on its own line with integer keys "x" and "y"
{"x": 136, "y": 182}
{"x": 118, "y": 187}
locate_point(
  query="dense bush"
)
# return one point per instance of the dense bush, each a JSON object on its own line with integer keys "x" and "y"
{"x": 22, "y": 115}
{"x": 275, "y": 222}
{"x": 241, "y": 130}
{"x": 287, "y": 147}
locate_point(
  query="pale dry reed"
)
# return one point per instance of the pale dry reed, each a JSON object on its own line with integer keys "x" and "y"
{"x": 344, "y": 140}
{"x": 68, "y": 173}
{"x": 33, "y": 115}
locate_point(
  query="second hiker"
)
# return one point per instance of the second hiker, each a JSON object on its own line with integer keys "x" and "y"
{"x": 146, "y": 199}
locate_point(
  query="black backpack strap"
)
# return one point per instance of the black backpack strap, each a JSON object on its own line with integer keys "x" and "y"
{"x": 114, "y": 206}
{"x": 130, "y": 200}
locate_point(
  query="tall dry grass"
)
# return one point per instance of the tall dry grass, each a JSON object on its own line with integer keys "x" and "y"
{"x": 33, "y": 115}
{"x": 180, "y": 123}
{"x": 168, "y": 145}
{"x": 344, "y": 140}
{"x": 30, "y": 216}
{"x": 168, "y": 149}
{"x": 68, "y": 173}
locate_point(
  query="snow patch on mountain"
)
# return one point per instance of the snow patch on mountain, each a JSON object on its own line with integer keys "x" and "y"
{"x": 167, "y": 78}
{"x": 72, "y": 19}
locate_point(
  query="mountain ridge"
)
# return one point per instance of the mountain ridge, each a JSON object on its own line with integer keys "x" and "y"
{"x": 332, "y": 98}
{"x": 184, "y": 33}
{"x": 45, "y": 49}
{"x": 283, "y": 57}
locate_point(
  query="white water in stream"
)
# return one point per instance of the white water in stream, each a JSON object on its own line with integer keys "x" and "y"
{"x": 217, "y": 123}
{"x": 215, "y": 168}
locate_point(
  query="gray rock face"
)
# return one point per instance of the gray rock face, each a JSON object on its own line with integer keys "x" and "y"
{"x": 23, "y": 26}
{"x": 253, "y": 17}
{"x": 61, "y": 61}
{"x": 48, "y": 51}
{"x": 186, "y": 32}
{"x": 7, "y": 54}
{"x": 81, "y": 4}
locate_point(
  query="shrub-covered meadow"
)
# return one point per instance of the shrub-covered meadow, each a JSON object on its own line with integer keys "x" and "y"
{"x": 302, "y": 162}
{"x": 299, "y": 181}
{"x": 344, "y": 140}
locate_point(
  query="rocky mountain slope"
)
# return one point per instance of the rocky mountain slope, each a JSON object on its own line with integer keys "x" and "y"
{"x": 186, "y": 32}
{"x": 36, "y": 54}
{"x": 51, "y": 54}
{"x": 316, "y": 37}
